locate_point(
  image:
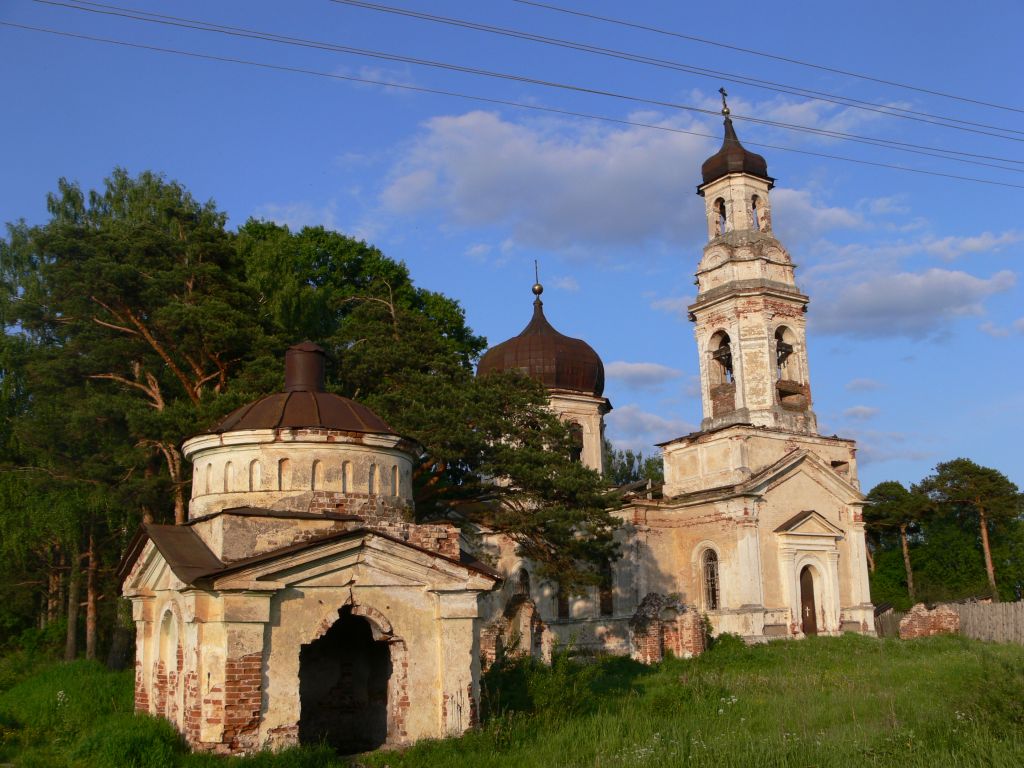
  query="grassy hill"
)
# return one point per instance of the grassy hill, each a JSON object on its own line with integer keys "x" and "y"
{"x": 822, "y": 702}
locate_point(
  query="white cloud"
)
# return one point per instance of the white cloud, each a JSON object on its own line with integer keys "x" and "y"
{"x": 675, "y": 305}
{"x": 876, "y": 447}
{"x": 912, "y": 304}
{"x": 797, "y": 216}
{"x": 863, "y": 385}
{"x": 884, "y": 206}
{"x": 993, "y": 330}
{"x": 566, "y": 283}
{"x": 641, "y": 375}
{"x": 861, "y": 412}
{"x": 554, "y": 184}
{"x": 950, "y": 248}
{"x": 631, "y": 427}
{"x": 478, "y": 251}
{"x": 299, "y": 214}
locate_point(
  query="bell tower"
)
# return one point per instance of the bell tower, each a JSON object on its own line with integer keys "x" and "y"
{"x": 749, "y": 315}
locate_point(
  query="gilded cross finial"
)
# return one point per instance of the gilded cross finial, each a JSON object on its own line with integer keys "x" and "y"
{"x": 725, "y": 107}
{"x": 538, "y": 289}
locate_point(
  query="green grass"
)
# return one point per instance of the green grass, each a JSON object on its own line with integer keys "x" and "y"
{"x": 826, "y": 702}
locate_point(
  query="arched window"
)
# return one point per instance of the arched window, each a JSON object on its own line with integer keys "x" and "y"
{"x": 371, "y": 480}
{"x": 755, "y": 212}
{"x": 228, "y": 470}
{"x": 316, "y": 476}
{"x": 254, "y": 475}
{"x": 522, "y": 583}
{"x": 709, "y": 579}
{"x": 721, "y": 221}
{"x": 576, "y": 447}
{"x": 346, "y": 476}
{"x": 394, "y": 479}
{"x": 209, "y": 478}
{"x": 284, "y": 474}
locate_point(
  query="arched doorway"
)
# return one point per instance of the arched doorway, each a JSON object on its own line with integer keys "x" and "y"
{"x": 343, "y": 687}
{"x": 808, "y": 608}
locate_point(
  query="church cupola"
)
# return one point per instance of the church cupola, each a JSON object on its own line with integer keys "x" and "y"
{"x": 749, "y": 315}
{"x": 570, "y": 370}
{"x": 735, "y": 185}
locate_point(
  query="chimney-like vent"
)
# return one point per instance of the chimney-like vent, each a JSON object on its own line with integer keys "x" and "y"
{"x": 304, "y": 368}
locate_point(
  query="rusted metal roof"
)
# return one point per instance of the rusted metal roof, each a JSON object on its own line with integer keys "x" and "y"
{"x": 304, "y": 403}
{"x": 304, "y": 409}
{"x": 544, "y": 354}
{"x": 734, "y": 158}
{"x": 181, "y": 548}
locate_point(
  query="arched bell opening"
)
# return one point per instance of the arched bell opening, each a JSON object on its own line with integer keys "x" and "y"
{"x": 789, "y": 385}
{"x": 720, "y": 374}
{"x": 344, "y": 676}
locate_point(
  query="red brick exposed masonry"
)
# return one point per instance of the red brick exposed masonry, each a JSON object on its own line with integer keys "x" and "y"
{"x": 921, "y": 622}
{"x": 663, "y": 625}
{"x": 243, "y": 692}
{"x": 141, "y": 694}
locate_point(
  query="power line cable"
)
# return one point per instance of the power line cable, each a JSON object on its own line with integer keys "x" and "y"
{"x": 490, "y": 100}
{"x": 788, "y": 60}
{"x": 175, "y": 21}
{"x": 770, "y": 85}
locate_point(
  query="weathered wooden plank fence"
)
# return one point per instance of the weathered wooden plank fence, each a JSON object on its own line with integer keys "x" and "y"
{"x": 999, "y": 622}
{"x": 888, "y": 624}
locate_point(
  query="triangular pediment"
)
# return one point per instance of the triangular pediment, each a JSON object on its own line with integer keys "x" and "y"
{"x": 809, "y": 523}
{"x": 802, "y": 462}
{"x": 361, "y": 557}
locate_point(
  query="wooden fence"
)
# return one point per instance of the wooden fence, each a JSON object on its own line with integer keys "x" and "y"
{"x": 888, "y": 624}
{"x": 997, "y": 622}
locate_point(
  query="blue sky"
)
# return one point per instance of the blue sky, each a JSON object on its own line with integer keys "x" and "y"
{"x": 916, "y": 320}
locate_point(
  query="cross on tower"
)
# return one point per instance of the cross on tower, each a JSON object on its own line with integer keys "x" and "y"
{"x": 725, "y": 107}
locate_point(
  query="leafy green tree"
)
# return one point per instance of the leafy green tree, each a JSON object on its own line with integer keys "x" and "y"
{"x": 891, "y": 508}
{"x": 979, "y": 498}
{"x": 622, "y": 466}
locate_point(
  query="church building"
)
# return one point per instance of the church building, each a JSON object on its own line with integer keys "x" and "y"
{"x": 300, "y": 604}
{"x": 758, "y": 525}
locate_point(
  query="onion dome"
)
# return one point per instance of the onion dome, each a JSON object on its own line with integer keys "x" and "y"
{"x": 544, "y": 354}
{"x": 304, "y": 404}
{"x": 734, "y": 158}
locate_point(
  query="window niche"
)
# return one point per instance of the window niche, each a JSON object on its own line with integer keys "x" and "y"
{"x": 720, "y": 375}
{"x": 710, "y": 585}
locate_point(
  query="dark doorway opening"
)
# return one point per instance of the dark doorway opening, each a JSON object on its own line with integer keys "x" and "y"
{"x": 343, "y": 687}
{"x": 808, "y": 610}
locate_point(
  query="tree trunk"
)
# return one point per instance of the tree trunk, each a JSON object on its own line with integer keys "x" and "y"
{"x": 989, "y": 568}
{"x": 90, "y": 599}
{"x": 906, "y": 561}
{"x": 71, "y": 642}
{"x": 871, "y": 558}
{"x": 53, "y": 592}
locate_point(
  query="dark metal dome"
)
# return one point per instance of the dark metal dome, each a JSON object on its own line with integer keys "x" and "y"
{"x": 544, "y": 354}
{"x": 734, "y": 158}
{"x": 304, "y": 404}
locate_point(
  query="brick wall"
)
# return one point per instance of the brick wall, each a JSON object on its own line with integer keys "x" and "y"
{"x": 243, "y": 693}
{"x": 663, "y": 625}
{"x": 922, "y": 622}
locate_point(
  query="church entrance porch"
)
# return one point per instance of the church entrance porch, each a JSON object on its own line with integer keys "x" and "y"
{"x": 808, "y": 610}
{"x": 343, "y": 687}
